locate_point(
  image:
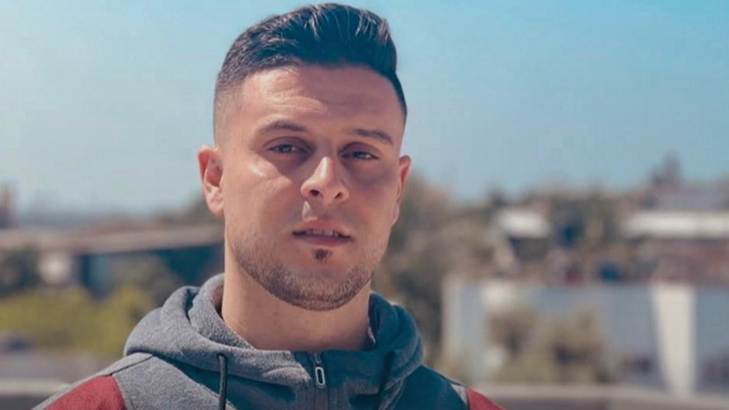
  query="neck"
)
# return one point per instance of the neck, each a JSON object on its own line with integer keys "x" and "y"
{"x": 268, "y": 323}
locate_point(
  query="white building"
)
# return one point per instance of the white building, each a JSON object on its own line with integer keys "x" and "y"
{"x": 680, "y": 334}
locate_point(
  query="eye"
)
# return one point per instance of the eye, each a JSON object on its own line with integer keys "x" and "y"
{"x": 362, "y": 152}
{"x": 362, "y": 155}
{"x": 287, "y": 149}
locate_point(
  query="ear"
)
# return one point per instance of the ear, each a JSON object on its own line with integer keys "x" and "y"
{"x": 404, "y": 171}
{"x": 209, "y": 161}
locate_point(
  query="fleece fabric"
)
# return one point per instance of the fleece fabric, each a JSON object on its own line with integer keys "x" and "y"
{"x": 183, "y": 356}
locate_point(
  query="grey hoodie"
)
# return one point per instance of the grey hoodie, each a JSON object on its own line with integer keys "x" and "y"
{"x": 183, "y": 356}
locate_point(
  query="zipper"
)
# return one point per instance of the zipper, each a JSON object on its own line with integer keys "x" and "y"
{"x": 320, "y": 377}
{"x": 321, "y": 401}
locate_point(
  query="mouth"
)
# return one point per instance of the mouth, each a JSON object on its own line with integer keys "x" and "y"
{"x": 324, "y": 233}
{"x": 322, "y": 238}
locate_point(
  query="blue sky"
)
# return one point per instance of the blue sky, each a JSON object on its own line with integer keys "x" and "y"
{"x": 104, "y": 104}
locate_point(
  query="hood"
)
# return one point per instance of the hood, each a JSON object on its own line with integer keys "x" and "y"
{"x": 188, "y": 330}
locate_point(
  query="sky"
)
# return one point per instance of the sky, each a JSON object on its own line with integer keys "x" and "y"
{"x": 104, "y": 104}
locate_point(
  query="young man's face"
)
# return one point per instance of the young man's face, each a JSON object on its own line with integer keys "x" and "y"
{"x": 308, "y": 175}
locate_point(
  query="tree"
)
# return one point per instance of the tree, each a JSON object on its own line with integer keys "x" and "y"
{"x": 429, "y": 242}
{"x": 547, "y": 351}
{"x": 19, "y": 270}
{"x": 72, "y": 320}
{"x": 148, "y": 272}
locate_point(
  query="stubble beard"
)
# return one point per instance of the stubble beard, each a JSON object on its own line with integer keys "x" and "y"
{"x": 312, "y": 290}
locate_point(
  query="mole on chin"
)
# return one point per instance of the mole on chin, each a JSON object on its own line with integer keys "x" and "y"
{"x": 321, "y": 255}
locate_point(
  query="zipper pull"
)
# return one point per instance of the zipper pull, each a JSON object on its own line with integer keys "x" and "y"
{"x": 320, "y": 379}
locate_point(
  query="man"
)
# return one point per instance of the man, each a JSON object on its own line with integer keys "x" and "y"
{"x": 307, "y": 172}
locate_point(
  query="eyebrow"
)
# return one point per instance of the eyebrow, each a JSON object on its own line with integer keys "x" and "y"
{"x": 376, "y": 134}
{"x": 285, "y": 125}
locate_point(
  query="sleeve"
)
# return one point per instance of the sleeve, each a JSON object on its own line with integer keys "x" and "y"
{"x": 98, "y": 393}
{"x": 477, "y": 401}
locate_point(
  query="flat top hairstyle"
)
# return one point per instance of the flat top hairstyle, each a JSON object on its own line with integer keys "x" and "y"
{"x": 329, "y": 35}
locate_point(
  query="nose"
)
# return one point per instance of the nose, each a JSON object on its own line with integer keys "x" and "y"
{"x": 325, "y": 184}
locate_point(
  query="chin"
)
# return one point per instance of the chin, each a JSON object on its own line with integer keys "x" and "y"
{"x": 316, "y": 270}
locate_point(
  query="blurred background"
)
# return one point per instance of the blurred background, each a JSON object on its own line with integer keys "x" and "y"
{"x": 567, "y": 223}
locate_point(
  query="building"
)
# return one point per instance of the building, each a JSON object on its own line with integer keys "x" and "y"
{"x": 87, "y": 257}
{"x": 672, "y": 337}
{"x": 685, "y": 246}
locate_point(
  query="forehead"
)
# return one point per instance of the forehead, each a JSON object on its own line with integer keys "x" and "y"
{"x": 315, "y": 92}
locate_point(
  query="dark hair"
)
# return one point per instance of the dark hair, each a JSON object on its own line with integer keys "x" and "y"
{"x": 326, "y": 34}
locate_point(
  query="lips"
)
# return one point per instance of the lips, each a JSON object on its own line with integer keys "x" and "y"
{"x": 321, "y": 232}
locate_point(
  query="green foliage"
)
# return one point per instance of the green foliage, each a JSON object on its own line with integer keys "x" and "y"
{"x": 513, "y": 329}
{"x": 18, "y": 270}
{"x": 423, "y": 209}
{"x": 429, "y": 242}
{"x": 72, "y": 321}
{"x": 412, "y": 271}
{"x": 548, "y": 351}
{"x": 146, "y": 272}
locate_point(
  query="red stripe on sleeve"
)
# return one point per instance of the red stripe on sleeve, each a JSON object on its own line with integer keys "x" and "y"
{"x": 476, "y": 401}
{"x": 100, "y": 393}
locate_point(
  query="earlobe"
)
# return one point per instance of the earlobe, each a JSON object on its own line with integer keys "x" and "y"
{"x": 211, "y": 175}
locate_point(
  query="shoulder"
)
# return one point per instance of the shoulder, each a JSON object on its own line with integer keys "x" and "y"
{"x": 426, "y": 388}
{"x": 477, "y": 401}
{"x": 98, "y": 392}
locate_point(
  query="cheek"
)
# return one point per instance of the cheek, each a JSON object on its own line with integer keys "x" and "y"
{"x": 253, "y": 194}
{"x": 380, "y": 196}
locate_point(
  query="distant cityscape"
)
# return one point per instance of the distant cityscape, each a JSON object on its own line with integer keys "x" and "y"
{"x": 651, "y": 263}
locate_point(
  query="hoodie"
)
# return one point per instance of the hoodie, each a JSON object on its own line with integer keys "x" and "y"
{"x": 183, "y": 356}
